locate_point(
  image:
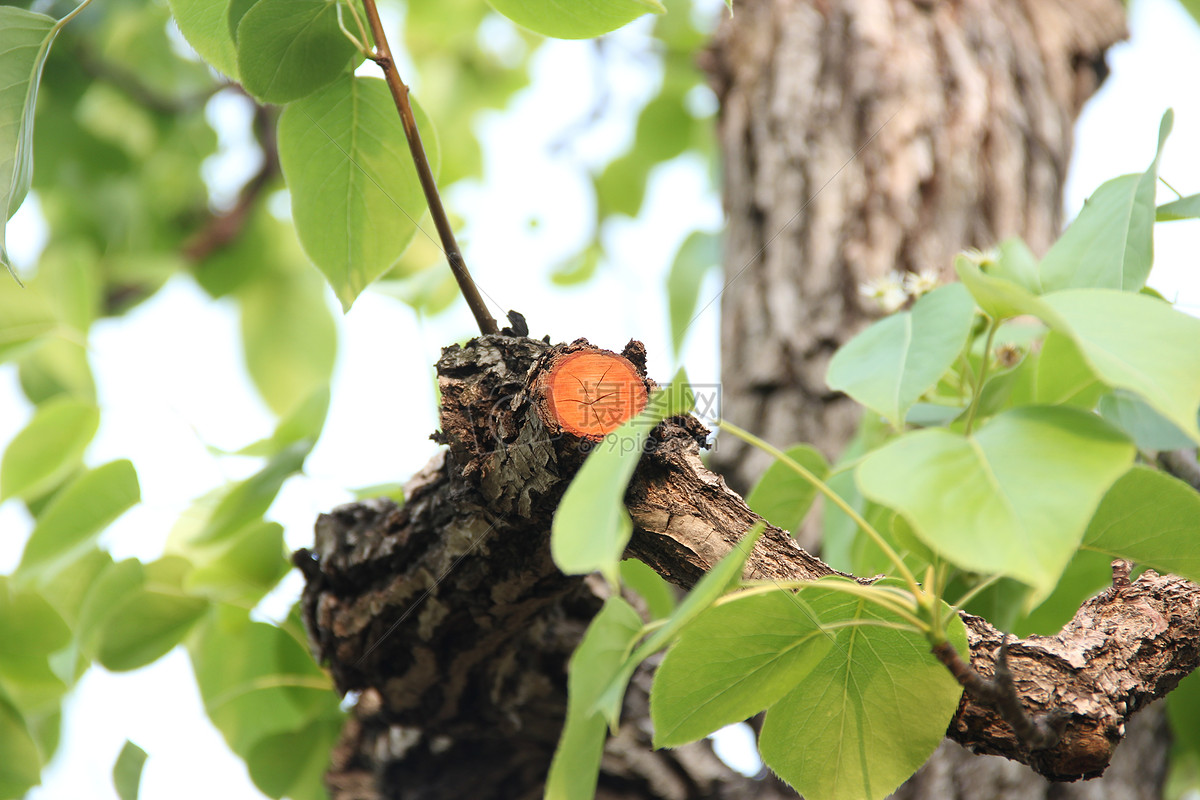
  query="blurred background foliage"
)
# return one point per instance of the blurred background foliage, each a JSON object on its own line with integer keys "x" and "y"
{"x": 132, "y": 188}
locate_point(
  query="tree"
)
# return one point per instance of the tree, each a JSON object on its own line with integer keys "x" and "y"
{"x": 460, "y": 658}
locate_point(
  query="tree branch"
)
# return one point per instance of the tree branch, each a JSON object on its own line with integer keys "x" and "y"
{"x": 450, "y": 615}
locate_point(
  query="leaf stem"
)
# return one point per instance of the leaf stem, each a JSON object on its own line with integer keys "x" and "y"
{"x": 831, "y": 495}
{"x": 983, "y": 371}
{"x": 383, "y": 57}
{"x": 58, "y": 26}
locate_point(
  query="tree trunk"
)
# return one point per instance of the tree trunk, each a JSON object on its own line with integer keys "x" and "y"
{"x": 865, "y": 136}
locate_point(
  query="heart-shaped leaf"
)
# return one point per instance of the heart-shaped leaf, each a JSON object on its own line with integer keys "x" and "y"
{"x": 869, "y": 714}
{"x": 1012, "y": 499}
{"x": 896, "y": 360}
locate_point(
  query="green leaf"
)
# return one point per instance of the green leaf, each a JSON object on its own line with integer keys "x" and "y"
{"x": 1137, "y": 343}
{"x": 293, "y": 763}
{"x": 26, "y": 316}
{"x": 653, "y": 588}
{"x": 869, "y": 715}
{"x": 734, "y": 660}
{"x": 1130, "y": 340}
{"x": 717, "y": 581}
{"x": 1183, "y": 208}
{"x": 48, "y": 448}
{"x": 127, "y": 771}
{"x": 1183, "y": 709}
{"x": 249, "y": 499}
{"x": 20, "y": 758}
{"x": 1110, "y": 245}
{"x": 56, "y": 367}
{"x": 23, "y": 51}
{"x": 302, "y": 424}
{"x": 355, "y": 193}
{"x": 205, "y": 25}
{"x": 699, "y": 253}
{"x": 1063, "y": 376}
{"x": 1014, "y": 261}
{"x": 1087, "y": 573}
{"x": 75, "y": 517}
{"x": 566, "y": 19}
{"x": 999, "y": 297}
{"x": 32, "y": 632}
{"x": 578, "y": 269}
{"x": 289, "y": 337}
{"x": 891, "y": 364}
{"x": 116, "y": 582}
{"x": 576, "y": 763}
{"x": 145, "y": 625}
{"x": 1013, "y": 499}
{"x": 782, "y": 497}
{"x": 1151, "y": 518}
{"x": 287, "y": 49}
{"x": 591, "y": 526}
{"x": 1141, "y": 423}
{"x": 240, "y": 568}
{"x": 256, "y": 679}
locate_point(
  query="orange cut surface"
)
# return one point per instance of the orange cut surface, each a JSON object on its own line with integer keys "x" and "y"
{"x": 593, "y": 393}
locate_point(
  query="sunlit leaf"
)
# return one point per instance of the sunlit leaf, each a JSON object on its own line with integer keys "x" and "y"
{"x": 289, "y": 48}
{"x": 1063, "y": 376}
{"x": 1012, "y": 499}
{"x": 1151, "y": 518}
{"x": 74, "y": 519}
{"x": 355, "y": 193}
{"x": 20, "y": 760}
{"x": 23, "y": 49}
{"x": 1110, "y": 245}
{"x": 724, "y": 574}
{"x": 652, "y": 587}
{"x": 32, "y": 631}
{"x": 289, "y": 337}
{"x": 896, "y": 360}
{"x": 699, "y": 253}
{"x": 1137, "y": 343}
{"x": 782, "y": 497}
{"x": 205, "y": 25}
{"x": 56, "y": 367}
{"x": 127, "y": 771}
{"x": 294, "y": 763}
{"x": 1183, "y": 208}
{"x": 734, "y": 660}
{"x": 866, "y": 717}
{"x": 257, "y": 680}
{"x": 48, "y": 448}
{"x": 565, "y": 19}
{"x": 576, "y": 763}
{"x": 144, "y": 627}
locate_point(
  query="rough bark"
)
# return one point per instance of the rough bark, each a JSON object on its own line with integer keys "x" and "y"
{"x": 864, "y": 136}
{"x": 452, "y": 624}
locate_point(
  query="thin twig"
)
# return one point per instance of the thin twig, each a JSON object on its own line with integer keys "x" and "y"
{"x": 223, "y": 229}
{"x": 383, "y": 57}
{"x": 1037, "y": 733}
{"x": 1182, "y": 464}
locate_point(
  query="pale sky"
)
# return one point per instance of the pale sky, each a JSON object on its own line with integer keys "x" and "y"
{"x": 197, "y": 394}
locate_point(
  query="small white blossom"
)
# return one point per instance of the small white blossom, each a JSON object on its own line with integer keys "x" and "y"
{"x": 920, "y": 283}
{"x": 887, "y": 291}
